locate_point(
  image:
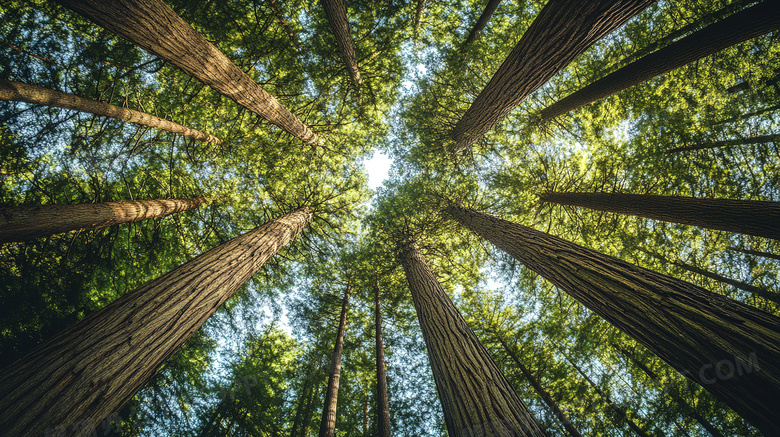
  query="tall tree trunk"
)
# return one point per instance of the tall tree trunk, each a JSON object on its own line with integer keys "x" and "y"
{"x": 277, "y": 10}
{"x": 154, "y": 26}
{"x": 749, "y": 217}
{"x": 742, "y": 26}
{"x": 20, "y": 223}
{"x": 476, "y": 31}
{"x": 336, "y": 11}
{"x": 755, "y": 252}
{"x": 475, "y": 396}
{"x": 748, "y": 114}
{"x": 75, "y": 380}
{"x": 418, "y": 17}
{"x": 17, "y": 91}
{"x": 303, "y": 399}
{"x": 563, "y": 30}
{"x": 573, "y": 432}
{"x": 734, "y": 142}
{"x": 383, "y": 405}
{"x": 310, "y": 410}
{"x": 697, "y": 332}
{"x": 328, "y": 423}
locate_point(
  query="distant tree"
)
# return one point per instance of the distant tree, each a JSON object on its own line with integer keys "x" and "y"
{"x": 762, "y": 139}
{"x": 418, "y": 17}
{"x": 336, "y": 11}
{"x": 482, "y": 21}
{"x": 383, "y": 408}
{"x": 328, "y": 423}
{"x": 755, "y": 252}
{"x": 277, "y": 10}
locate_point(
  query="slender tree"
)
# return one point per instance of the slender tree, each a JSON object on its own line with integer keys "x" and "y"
{"x": 749, "y": 217}
{"x": 20, "y": 223}
{"x": 336, "y": 11}
{"x": 755, "y": 252}
{"x": 383, "y": 407}
{"x": 762, "y": 139}
{"x": 475, "y": 396}
{"x": 747, "y": 115}
{"x": 731, "y": 349}
{"x": 476, "y": 31}
{"x": 563, "y": 30}
{"x": 277, "y": 11}
{"x": 418, "y": 13}
{"x": 154, "y": 26}
{"x": 17, "y": 91}
{"x": 76, "y": 380}
{"x": 742, "y": 26}
{"x": 328, "y": 423}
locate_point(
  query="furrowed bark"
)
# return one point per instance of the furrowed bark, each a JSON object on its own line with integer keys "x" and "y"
{"x": 154, "y": 26}
{"x": 475, "y": 396}
{"x": 699, "y": 333}
{"x": 328, "y": 423}
{"x": 750, "y": 217}
{"x": 21, "y": 223}
{"x": 383, "y": 407}
{"x": 563, "y": 30}
{"x": 76, "y": 380}
{"x": 742, "y": 26}
{"x": 476, "y": 31}
{"x": 17, "y": 91}
{"x": 735, "y": 142}
{"x": 336, "y": 11}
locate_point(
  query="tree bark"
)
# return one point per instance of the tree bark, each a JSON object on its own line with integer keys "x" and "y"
{"x": 475, "y": 396}
{"x": 476, "y": 31}
{"x": 77, "y": 379}
{"x": 751, "y": 217}
{"x": 154, "y": 26}
{"x": 697, "y": 332}
{"x": 17, "y": 91}
{"x": 735, "y": 142}
{"x": 755, "y": 252}
{"x": 328, "y": 423}
{"x": 742, "y": 26}
{"x": 563, "y": 30}
{"x": 336, "y": 11}
{"x": 383, "y": 406}
{"x": 21, "y": 223}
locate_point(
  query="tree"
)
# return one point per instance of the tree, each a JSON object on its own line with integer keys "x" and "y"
{"x": 86, "y": 373}
{"x": 474, "y": 394}
{"x": 328, "y": 423}
{"x": 383, "y": 409}
{"x": 750, "y": 217}
{"x": 154, "y": 26}
{"x": 762, "y": 139}
{"x": 755, "y": 252}
{"x": 563, "y": 30}
{"x": 17, "y": 91}
{"x": 476, "y": 30}
{"x": 741, "y": 26}
{"x": 336, "y": 11}
{"x": 20, "y": 223}
{"x": 697, "y": 332}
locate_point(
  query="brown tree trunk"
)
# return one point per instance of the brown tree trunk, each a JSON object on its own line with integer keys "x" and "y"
{"x": 573, "y": 432}
{"x": 285, "y": 25}
{"x": 697, "y": 332}
{"x": 735, "y": 142}
{"x": 418, "y": 17}
{"x": 303, "y": 399}
{"x": 17, "y": 91}
{"x": 755, "y": 252}
{"x": 742, "y": 26}
{"x": 69, "y": 384}
{"x": 476, "y": 31}
{"x": 336, "y": 11}
{"x": 475, "y": 396}
{"x": 383, "y": 405}
{"x": 154, "y": 26}
{"x": 748, "y": 114}
{"x": 328, "y": 423}
{"x": 20, "y": 223}
{"x": 749, "y": 217}
{"x": 309, "y": 413}
{"x": 563, "y": 30}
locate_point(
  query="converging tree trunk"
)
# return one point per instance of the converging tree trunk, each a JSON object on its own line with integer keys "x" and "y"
{"x": 563, "y": 30}
{"x": 154, "y": 26}
{"x": 475, "y": 396}
{"x": 734, "y": 142}
{"x": 85, "y": 374}
{"x": 476, "y": 31}
{"x": 21, "y": 223}
{"x": 383, "y": 406}
{"x": 755, "y": 252}
{"x": 731, "y": 349}
{"x": 750, "y": 217}
{"x": 336, "y": 11}
{"x": 328, "y": 423}
{"x": 742, "y": 26}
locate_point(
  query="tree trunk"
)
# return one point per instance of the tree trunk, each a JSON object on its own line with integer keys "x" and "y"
{"x": 20, "y": 223}
{"x": 72, "y": 382}
{"x": 573, "y": 432}
{"x": 418, "y": 17}
{"x": 303, "y": 400}
{"x": 328, "y": 423}
{"x": 336, "y": 11}
{"x": 748, "y": 114}
{"x": 697, "y": 332}
{"x": 476, "y": 31}
{"x": 17, "y": 91}
{"x": 154, "y": 26}
{"x": 285, "y": 25}
{"x": 755, "y": 252}
{"x": 475, "y": 396}
{"x": 735, "y": 142}
{"x": 749, "y": 217}
{"x": 742, "y": 26}
{"x": 563, "y": 30}
{"x": 309, "y": 414}
{"x": 383, "y": 405}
